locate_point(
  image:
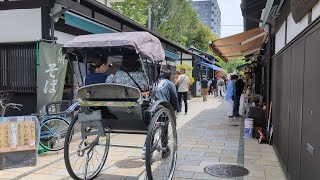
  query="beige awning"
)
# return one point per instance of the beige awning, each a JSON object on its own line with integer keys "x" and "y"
{"x": 239, "y": 45}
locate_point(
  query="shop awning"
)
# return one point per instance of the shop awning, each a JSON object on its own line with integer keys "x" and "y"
{"x": 239, "y": 45}
{"x": 211, "y": 66}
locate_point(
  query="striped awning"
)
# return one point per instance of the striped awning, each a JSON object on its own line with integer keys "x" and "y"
{"x": 239, "y": 45}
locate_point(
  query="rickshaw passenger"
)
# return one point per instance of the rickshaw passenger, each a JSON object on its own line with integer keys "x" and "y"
{"x": 129, "y": 73}
{"x": 98, "y": 68}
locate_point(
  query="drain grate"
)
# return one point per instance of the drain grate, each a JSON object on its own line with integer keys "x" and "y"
{"x": 226, "y": 170}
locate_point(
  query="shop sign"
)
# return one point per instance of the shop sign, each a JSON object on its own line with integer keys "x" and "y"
{"x": 300, "y": 8}
{"x": 51, "y": 73}
{"x": 17, "y": 133}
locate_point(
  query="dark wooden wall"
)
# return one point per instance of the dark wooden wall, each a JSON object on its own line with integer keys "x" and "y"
{"x": 296, "y": 105}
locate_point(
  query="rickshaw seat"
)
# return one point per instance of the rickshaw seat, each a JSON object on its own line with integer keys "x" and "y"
{"x": 120, "y": 107}
{"x": 109, "y": 93}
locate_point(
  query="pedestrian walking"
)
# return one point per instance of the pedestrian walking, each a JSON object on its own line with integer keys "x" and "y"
{"x": 209, "y": 86}
{"x": 166, "y": 90}
{"x": 230, "y": 95}
{"x": 239, "y": 86}
{"x": 204, "y": 89}
{"x": 214, "y": 88}
{"x": 183, "y": 83}
{"x": 221, "y": 86}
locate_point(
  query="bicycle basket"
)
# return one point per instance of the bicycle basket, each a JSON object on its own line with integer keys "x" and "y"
{"x": 57, "y": 108}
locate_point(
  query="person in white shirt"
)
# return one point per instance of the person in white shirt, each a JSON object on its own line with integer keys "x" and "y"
{"x": 183, "y": 83}
{"x": 221, "y": 85}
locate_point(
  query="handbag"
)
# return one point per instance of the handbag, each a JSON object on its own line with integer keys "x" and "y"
{"x": 189, "y": 95}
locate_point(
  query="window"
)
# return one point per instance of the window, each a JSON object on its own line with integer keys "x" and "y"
{"x": 18, "y": 67}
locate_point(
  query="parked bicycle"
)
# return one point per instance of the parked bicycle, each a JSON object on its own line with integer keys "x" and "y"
{"x": 53, "y": 123}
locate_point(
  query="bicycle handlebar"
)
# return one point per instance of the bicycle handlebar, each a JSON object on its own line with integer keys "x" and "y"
{"x": 11, "y": 105}
{"x": 14, "y": 106}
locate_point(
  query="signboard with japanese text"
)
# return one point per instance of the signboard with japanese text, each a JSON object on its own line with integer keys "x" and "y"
{"x": 300, "y": 8}
{"x": 198, "y": 88}
{"x": 17, "y": 133}
{"x": 51, "y": 73}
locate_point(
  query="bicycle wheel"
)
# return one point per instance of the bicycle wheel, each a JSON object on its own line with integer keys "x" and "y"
{"x": 161, "y": 146}
{"x": 53, "y": 133}
{"x": 85, "y": 157}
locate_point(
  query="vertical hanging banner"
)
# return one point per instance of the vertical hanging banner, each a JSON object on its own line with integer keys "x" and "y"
{"x": 51, "y": 73}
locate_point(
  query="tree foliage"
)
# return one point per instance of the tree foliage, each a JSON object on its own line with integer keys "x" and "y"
{"x": 231, "y": 66}
{"x": 199, "y": 36}
{"x": 133, "y": 9}
{"x": 177, "y": 21}
{"x": 173, "y": 19}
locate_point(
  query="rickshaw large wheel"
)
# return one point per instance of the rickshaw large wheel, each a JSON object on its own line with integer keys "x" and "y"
{"x": 161, "y": 146}
{"x": 84, "y": 158}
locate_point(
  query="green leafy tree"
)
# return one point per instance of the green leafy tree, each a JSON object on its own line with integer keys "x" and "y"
{"x": 231, "y": 65}
{"x": 133, "y": 9}
{"x": 199, "y": 36}
{"x": 173, "y": 19}
{"x": 177, "y": 22}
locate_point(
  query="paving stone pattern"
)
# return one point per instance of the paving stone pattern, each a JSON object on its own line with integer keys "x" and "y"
{"x": 205, "y": 137}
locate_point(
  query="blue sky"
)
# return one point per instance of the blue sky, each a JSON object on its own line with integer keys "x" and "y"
{"x": 230, "y": 15}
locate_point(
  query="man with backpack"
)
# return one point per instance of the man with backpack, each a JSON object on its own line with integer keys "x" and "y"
{"x": 204, "y": 89}
{"x": 213, "y": 87}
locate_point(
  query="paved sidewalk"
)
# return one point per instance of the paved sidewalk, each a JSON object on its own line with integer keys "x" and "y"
{"x": 205, "y": 137}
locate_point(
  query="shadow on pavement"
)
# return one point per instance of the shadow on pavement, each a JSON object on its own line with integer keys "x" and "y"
{"x": 130, "y": 163}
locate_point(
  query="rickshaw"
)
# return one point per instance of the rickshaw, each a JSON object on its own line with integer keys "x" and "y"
{"x": 105, "y": 108}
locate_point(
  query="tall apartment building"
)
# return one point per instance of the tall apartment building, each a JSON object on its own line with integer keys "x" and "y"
{"x": 209, "y": 13}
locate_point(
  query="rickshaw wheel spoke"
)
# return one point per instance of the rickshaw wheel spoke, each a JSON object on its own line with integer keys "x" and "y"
{"x": 161, "y": 146}
{"x": 84, "y": 157}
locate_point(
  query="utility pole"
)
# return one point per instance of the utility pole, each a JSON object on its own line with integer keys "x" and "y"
{"x": 149, "y": 17}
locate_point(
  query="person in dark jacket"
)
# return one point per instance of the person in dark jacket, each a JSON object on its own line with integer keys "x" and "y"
{"x": 98, "y": 69}
{"x": 204, "y": 89}
{"x": 213, "y": 87}
{"x": 239, "y": 86}
{"x": 166, "y": 90}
